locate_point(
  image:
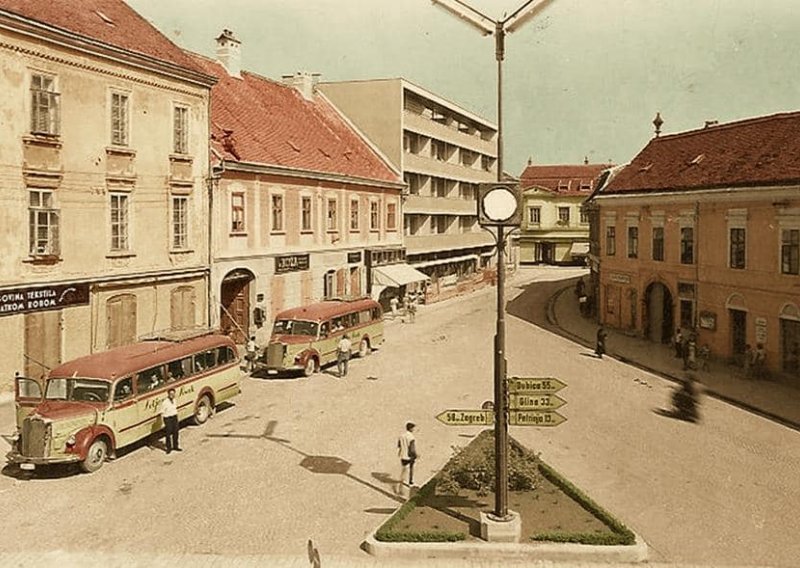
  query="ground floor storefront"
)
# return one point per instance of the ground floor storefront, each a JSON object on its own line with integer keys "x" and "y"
{"x": 730, "y": 323}
{"x": 553, "y": 250}
{"x": 42, "y": 325}
{"x": 452, "y": 273}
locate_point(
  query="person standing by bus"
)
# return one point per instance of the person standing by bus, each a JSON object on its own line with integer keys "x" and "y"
{"x": 343, "y": 355}
{"x": 251, "y": 350}
{"x": 169, "y": 412}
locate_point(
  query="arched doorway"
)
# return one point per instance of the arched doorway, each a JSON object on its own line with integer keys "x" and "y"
{"x": 658, "y": 313}
{"x": 235, "y": 304}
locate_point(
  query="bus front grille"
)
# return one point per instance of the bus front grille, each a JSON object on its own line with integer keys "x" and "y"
{"x": 35, "y": 437}
{"x": 275, "y": 353}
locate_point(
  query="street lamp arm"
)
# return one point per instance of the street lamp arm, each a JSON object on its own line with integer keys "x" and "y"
{"x": 520, "y": 19}
{"x": 478, "y": 24}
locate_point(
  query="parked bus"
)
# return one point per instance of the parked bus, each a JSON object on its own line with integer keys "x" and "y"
{"x": 305, "y": 339}
{"x": 86, "y": 409}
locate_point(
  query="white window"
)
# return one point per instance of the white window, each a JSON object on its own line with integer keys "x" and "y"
{"x": 354, "y": 214}
{"x": 180, "y": 222}
{"x": 333, "y": 222}
{"x": 119, "y": 222}
{"x": 180, "y": 130}
{"x": 45, "y": 105}
{"x": 43, "y": 218}
{"x": 563, "y": 215}
{"x": 277, "y": 213}
{"x": 374, "y": 216}
{"x": 119, "y": 119}
{"x": 305, "y": 214}
{"x": 534, "y": 215}
{"x": 237, "y": 213}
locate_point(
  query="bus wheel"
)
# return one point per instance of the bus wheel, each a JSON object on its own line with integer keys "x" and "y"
{"x": 310, "y": 368}
{"x": 95, "y": 457}
{"x": 202, "y": 411}
{"x": 363, "y": 348}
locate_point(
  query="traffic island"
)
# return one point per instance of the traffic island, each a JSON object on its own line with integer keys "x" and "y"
{"x": 558, "y": 522}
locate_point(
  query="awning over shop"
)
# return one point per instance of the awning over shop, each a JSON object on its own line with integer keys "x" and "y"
{"x": 579, "y": 249}
{"x": 447, "y": 260}
{"x": 396, "y": 275}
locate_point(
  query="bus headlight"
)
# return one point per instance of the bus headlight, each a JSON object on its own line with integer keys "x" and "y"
{"x": 70, "y": 441}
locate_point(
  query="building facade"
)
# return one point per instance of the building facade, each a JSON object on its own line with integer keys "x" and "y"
{"x": 103, "y": 170}
{"x": 303, "y": 207}
{"x": 444, "y": 151}
{"x": 702, "y": 232}
{"x": 555, "y": 227}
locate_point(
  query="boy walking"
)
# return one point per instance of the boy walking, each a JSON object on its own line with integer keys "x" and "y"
{"x": 343, "y": 355}
{"x": 407, "y": 450}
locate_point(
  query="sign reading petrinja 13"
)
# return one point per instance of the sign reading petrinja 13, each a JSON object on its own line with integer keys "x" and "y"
{"x": 22, "y": 300}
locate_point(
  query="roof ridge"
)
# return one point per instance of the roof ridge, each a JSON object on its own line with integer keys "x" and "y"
{"x": 733, "y": 124}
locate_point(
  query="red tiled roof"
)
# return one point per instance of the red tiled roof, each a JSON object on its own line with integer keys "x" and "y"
{"x": 563, "y": 179}
{"x": 752, "y": 152}
{"x": 273, "y": 124}
{"x": 112, "y": 22}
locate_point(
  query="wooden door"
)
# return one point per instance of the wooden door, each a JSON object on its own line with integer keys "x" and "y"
{"x": 235, "y": 316}
{"x": 120, "y": 320}
{"x": 182, "y": 308}
{"x": 42, "y": 342}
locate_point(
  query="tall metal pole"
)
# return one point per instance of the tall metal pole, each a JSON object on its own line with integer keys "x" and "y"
{"x": 500, "y": 398}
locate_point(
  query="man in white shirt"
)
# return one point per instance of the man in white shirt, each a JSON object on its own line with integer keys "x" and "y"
{"x": 169, "y": 412}
{"x": 407, "y": 450}
{"x": 343, "y": 355}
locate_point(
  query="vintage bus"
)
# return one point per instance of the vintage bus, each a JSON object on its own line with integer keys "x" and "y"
{"x": 305, "y": 339}
{"x": 86, "y": 409}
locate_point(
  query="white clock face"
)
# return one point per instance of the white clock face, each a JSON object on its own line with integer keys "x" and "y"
{"x": 499, "y": 204}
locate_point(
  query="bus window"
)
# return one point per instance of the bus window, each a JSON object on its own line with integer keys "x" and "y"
{"x": 224, "y": 355}
{"x": 204, "y": 361}
{"x": 150, "y": 379}
{"x": 376, "y": 313}
{"x": 363, "y": 316}
{"x": 324, "y": 329}
{"x": 177, "y": 370}
{"x": 123, "y": 389}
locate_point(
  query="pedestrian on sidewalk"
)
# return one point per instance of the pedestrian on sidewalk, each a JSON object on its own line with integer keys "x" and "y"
{"x": 343, "y": 355}
{"x": 407, "y": 450}
{"x": 691, "y": 352}
{"x": 251, "y": 353}
{"x": 759, "y": 361}
{"x": 411, "y": 308}
{"x": 393, "y": 303}
{"x": 600, "y": 347}
{"x": 748, "y": 361}
{"x": 678, "y": 341}
{"x": 169, "y": 413}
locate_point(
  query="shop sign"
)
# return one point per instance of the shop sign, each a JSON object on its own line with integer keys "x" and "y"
{"x": 353, "y": 257}
{"x": 291, "y": 263}
{"x": 761, "y": 330}
{"x": 708, "y": 320}
{"x": 619, "y": 278}
{"x": 21, "y": 300}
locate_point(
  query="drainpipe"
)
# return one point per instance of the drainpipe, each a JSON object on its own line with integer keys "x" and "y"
{"x": 696, "y": 264}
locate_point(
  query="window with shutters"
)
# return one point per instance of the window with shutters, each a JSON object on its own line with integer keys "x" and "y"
{"x": 120, "y": 320}
{"x": 182, "y": 308}
{"x": 45, "y": 105}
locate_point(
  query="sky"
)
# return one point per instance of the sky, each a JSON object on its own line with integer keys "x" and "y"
{"x": 585, "y": 78}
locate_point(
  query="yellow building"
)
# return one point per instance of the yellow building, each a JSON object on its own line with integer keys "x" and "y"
{"x": 103, "y": 167}
{"x": 555, "y": 228}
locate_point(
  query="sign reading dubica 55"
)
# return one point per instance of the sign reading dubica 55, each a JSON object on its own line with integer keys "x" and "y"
{"x": 291, "y": 263}
{"x": 21, "y": 300}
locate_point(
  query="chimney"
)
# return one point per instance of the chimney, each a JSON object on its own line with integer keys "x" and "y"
{"x": 586, "y": 160}
{"x": 229, "y": 53}
{"x": 710, "y": 123}
{"x": 304, "y": 82}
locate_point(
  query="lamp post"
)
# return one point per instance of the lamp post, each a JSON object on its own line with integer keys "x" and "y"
{"x": 499, "y": 205}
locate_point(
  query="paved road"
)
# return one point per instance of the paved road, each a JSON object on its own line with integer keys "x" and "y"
{"x": 315, "y": 458}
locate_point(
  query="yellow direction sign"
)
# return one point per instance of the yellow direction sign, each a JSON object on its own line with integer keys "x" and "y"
{"x": 535, "y": 401}
{"x": 537, "y": 385}
{"x": 467, "y": 417}
{"x": 534, "y": 418}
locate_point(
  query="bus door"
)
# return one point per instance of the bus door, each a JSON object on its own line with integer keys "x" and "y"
{"x": 124, "y": 414}
{"x": 28, "y": 394}
{"x": 328, "y": 341}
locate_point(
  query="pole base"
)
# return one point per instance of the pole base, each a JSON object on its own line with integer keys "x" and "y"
{"x": 496, "y": 529}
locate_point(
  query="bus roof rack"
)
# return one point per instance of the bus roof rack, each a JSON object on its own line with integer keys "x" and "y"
{"x": 177, "y": 335}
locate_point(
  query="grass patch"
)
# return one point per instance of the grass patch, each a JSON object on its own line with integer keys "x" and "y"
{"x": 448, "y": 507}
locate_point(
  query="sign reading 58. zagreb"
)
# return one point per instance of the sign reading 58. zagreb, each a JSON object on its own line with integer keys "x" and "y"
{"x": 21, "y": 300}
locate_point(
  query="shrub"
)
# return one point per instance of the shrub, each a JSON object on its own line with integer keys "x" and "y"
{"x": 473, "y": 468}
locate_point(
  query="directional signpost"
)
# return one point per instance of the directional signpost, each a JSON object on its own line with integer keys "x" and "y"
{"x": 467, "y": 417}
{"x": 534, "y": 418}
{"x": 535, "y": 401}
{"x": 537, "y": 385}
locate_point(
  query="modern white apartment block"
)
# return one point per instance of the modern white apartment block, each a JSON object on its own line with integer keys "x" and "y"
{"x": 444, "y": 151}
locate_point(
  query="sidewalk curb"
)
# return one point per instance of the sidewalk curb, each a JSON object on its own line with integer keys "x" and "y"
{"x": 552, "y": 318}
{"x": 493, "y": 551}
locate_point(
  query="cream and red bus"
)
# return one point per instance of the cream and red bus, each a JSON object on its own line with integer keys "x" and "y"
{"x": 86, "y": 409}
{"x": 306, "y": 338}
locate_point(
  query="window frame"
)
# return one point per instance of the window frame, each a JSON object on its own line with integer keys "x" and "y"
{"x": 737, "y": 248}
{"x": 119, "y": 117}
{"x": 355, "y": 222}
{"x": 331, "y": 215}
{"x": 238, "y": 212}
{"x": 391, "y": 216}
{"x": 534, "y": 219}
{"x": 179, "y": 222}
{"x": 611, "y": 240}
{"x": 52, "y": 213}
{"x": 277, "y": 212}
{"x": 687, "y": 246}
{"x": 374, "y": 215}
{"x": 563, "y": 215}
{"x": 180, "y": 129}
{"x": 120, "y": 242}
{"x": 792, "y": 246}
{"x": 633, "y": 241}
{"x": 657, "y": 252}
{"x": 45, "y": 119}
{"x": 306, "y": 214}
